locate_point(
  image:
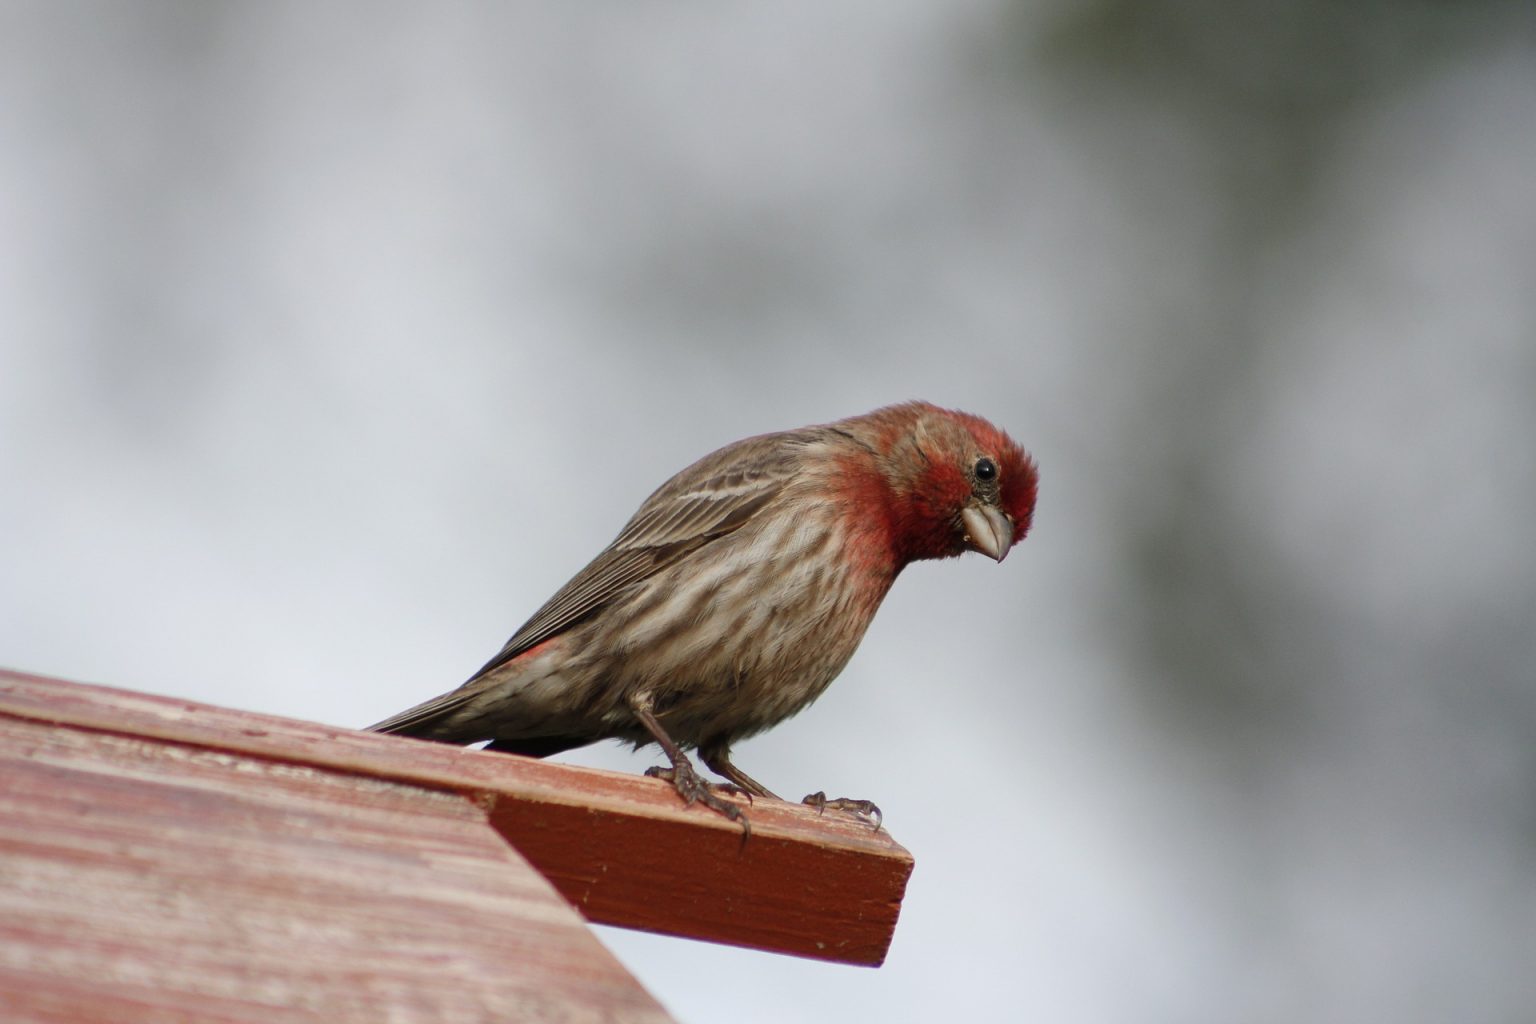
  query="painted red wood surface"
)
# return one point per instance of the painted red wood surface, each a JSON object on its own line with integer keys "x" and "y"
{"x": 142, "y": 879}
{"x": 620, "y": 847}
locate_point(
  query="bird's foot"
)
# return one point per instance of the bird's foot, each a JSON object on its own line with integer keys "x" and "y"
{"x": 695, "y": 789}
{"x": 864, "y": 810}
{"x": 732, "y": 789}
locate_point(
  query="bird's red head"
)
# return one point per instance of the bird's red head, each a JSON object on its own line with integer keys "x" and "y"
{"x": 952, "y": 482}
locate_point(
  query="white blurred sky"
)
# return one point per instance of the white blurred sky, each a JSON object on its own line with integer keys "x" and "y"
{"x": 334, "y": 337}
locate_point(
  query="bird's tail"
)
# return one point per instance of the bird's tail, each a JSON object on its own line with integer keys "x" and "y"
{"x": 437, "y": 719}
{"x": 430, "y": 720}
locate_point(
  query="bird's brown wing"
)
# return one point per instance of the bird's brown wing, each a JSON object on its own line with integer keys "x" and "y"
{"x": 712, "y": 498}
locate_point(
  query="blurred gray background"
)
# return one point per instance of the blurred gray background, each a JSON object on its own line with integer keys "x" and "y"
{"x": 335, "y": 336}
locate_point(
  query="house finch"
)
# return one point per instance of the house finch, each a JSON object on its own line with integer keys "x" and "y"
{"x": 739, "y": 591}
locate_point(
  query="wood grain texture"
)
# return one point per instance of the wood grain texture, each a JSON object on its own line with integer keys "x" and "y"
{"x": 621, "y": 848}
{"x": 146, "y": 880}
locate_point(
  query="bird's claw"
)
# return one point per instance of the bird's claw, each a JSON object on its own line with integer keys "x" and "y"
{"x": 694, "y": 789}
{"x": 733, "y": 789}
{"x": 864, "y": 810}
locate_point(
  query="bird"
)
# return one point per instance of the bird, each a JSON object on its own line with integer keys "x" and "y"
{"x": 738, "y": 591}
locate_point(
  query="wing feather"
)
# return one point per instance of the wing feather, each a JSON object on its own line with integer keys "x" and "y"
{"x": 710, "y": 499}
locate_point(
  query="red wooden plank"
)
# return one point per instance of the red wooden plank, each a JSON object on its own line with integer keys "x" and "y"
{"x": 621, "y": 848}
{"x": 147, "y": 880}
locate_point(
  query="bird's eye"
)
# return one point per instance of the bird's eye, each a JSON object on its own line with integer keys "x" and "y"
{"x": 986, "y": 469}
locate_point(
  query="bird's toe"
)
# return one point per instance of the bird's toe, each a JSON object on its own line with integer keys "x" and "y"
{"x": 864, "y": 810}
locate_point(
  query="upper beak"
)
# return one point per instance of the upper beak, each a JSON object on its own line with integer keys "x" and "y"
{"x": 987, "y": 530}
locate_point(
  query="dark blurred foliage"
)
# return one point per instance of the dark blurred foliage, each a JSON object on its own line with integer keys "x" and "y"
{"x": 1257, "y": 98}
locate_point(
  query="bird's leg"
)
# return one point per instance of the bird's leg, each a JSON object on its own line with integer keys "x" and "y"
{"x": 683, "y": 776}
{"x": 717, "y": 755}
{"x": 863, "y": 809}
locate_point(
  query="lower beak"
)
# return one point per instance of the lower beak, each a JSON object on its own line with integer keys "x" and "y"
{"x": 987, "y": 530}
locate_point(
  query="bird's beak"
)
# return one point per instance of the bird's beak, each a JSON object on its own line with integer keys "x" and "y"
{"x": 987, "y": 530}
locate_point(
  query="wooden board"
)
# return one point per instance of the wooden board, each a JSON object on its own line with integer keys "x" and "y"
{"x": 621, "y": 848}
{"x": 147, "y": 880}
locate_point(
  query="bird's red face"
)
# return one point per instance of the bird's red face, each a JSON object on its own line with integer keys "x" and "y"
{"x": 953, "y": 483}
{"x": 997, "y": 513}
